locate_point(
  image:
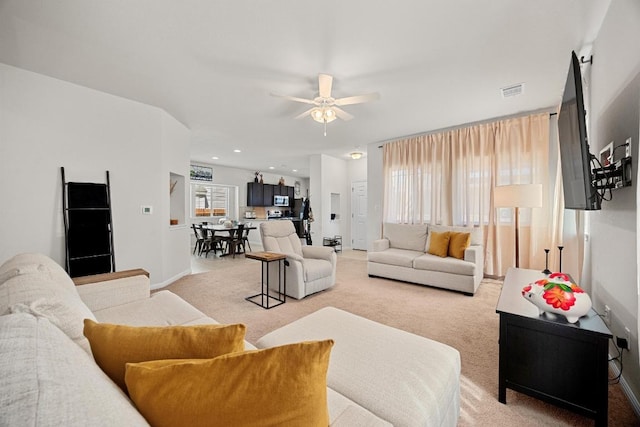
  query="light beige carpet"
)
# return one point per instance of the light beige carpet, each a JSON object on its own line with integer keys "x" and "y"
{"x": 469, "y": 324}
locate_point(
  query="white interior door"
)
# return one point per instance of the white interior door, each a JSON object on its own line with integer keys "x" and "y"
{"x": 359, "y": 215}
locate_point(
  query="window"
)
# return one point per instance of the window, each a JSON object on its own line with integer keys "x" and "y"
{"x": 209, "y": 200}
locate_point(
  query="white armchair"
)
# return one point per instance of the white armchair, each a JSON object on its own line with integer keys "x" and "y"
{"x": 311, "y": 268}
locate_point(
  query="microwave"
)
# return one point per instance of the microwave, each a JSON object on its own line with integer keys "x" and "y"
{"x": 280, "y": 200}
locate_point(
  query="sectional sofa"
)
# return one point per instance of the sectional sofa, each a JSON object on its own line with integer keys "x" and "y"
{"x": 403, "y": 254}
{"x": 376, "y": 376}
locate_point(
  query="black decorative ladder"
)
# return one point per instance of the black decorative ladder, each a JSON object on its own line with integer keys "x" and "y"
{"x": 88, "y": 230}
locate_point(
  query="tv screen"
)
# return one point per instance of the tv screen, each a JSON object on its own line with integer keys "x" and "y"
{"x": 575, "y": 158}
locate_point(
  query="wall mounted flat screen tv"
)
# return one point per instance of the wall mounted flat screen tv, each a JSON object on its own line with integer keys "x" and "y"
{"x": 575, "y": 158}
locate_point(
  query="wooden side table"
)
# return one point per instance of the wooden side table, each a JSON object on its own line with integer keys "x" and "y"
{"x": 546, "y": 357}
{"x": 264, "y": 299}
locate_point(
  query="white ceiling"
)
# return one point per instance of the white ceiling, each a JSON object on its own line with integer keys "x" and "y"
{"x": 213, "y": 64}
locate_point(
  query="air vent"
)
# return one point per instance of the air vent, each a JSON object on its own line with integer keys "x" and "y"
{"x": 513, "y": 90}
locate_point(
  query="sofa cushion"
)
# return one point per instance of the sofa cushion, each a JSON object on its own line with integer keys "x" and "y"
{"x": 283, "y": 385}
{"x": 369, "y": 364}
{"x": 47, "y": 380}
{"x": 115, "y": 345}
{"x": 458, "y": 242}
{"x": 392, "y": 256}
{"x": 343, "y": 412}
{"x": 445, "y": 265}
{"x": 29, "y": 262}
{"x": 439, "y": 243}
{"x": 161, "y": 309}
{"x": 405, "y": 236}
{"x": 41, "y": 289}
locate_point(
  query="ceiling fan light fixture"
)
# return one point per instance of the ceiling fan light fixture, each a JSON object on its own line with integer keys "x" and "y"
{"x": 356, "y": 155}
{"x": 323, "y": 114}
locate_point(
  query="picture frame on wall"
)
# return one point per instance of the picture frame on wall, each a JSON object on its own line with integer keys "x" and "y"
{"x": 201, "y": 173}
{"x": 606, "y": 155}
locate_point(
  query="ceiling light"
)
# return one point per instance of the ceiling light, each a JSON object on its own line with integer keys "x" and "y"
{"x": 215, "y": 157}
{"x": 271, "y": 167}
{"x": 237, "y": 151}
{"x": 295, "y": 170}
{"x": 323, "y": 114}
{"x": 356, "y": 155}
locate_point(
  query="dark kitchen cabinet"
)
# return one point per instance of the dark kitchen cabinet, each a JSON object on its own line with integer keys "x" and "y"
{"x": 262, "y": 194}
{"x": 267, "y": 199}
{"x": 255, "y": 194}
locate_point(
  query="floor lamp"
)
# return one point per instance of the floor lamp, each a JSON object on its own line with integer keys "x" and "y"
{"x": 518, "y": 196}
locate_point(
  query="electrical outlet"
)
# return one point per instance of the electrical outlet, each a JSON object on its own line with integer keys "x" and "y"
{"x": 627, "y": 149}
{"x": 607, "y": 315}
{"x": 627, "y": 335}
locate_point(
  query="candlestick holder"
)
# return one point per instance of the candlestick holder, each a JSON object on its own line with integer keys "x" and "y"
{"x": 546, "y": 262}
{"x": 560, "y": 266}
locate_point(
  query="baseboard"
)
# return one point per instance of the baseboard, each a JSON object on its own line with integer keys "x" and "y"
{"x": 169, "y": 281}
{"x": 633, "y": 400}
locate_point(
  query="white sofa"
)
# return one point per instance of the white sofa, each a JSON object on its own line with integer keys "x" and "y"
{"x": 401, "y": 254}
{"x": 378, "y": 375}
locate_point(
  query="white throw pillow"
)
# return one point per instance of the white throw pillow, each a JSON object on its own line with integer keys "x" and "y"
{"x": 34, "y": 291}
{"x": 46, "y": 380}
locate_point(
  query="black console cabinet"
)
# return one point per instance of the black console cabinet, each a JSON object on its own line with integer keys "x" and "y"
{"x": 548, "y": 358}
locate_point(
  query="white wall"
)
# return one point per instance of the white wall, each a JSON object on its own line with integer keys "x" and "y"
{"x": 330, "y": 175}
{"x": 175, "y": 148}
{"x": 47, "y": 123}
{"x": 375, "y": 189}
{"x": 615, "y": 115}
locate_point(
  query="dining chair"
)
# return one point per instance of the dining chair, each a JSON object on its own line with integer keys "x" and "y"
{"x": 234, "y": 241}
{"x": 205, "y": 237}
{"x": 199, "y": 239}
{"x": 245, "y": 237}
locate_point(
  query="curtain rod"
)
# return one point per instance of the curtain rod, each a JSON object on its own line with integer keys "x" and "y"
{"x": 446, "y": 129}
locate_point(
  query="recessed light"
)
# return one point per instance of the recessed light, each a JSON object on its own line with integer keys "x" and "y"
{"x": 295, "y": 170}
{"x": 271, "y": 167}
{"x": 237, "y": 151}
{"x": 215, "y": 157}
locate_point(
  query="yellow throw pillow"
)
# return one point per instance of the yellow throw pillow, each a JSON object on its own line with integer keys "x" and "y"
{"x": 439, "y": 244}
{"x": 458, "y": 242}
{"x": 115, "y": 345}
{"x": 283, "y": 386}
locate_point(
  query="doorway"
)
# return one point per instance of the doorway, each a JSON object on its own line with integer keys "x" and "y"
{"x": 359, "y": 215}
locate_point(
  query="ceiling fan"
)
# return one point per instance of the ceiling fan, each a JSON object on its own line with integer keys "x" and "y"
{"x": 326, "y": 108}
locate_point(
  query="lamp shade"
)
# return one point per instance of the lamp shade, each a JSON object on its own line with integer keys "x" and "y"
{"x": 518, "y": 196}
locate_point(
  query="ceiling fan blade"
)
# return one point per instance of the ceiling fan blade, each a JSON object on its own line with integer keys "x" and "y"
{"x": 342, "y": 114}
{"x": 305, "y": 114}
{"x": 324, "y": 85}
{"x": 358, "y": 99}
{"x": 293, "y": 98}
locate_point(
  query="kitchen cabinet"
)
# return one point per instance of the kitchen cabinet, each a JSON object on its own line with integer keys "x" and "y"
{"x": 262, "y": 194}
{"x": 280, "y": 190}
{"x": 267, "y": 199}
{"x": 255, "y": 194}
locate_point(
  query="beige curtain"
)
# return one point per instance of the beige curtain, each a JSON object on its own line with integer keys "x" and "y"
{"x": 448, "y": 178}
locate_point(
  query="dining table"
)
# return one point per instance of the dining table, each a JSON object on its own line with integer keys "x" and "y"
{"x": 232, "y": 230}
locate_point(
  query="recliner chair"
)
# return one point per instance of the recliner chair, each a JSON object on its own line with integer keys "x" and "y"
{"x": 311, "y": 268}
